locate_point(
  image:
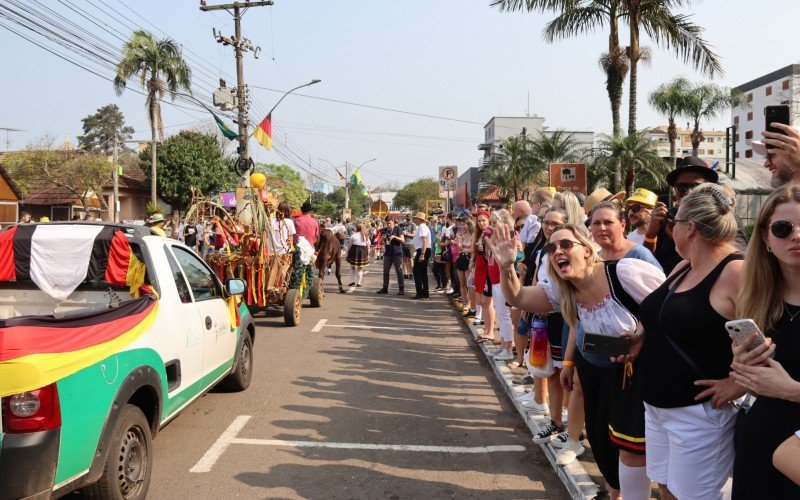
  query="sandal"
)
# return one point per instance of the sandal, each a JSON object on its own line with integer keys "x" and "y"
{"x": 513, "y": 365}
{"x": 481, "y": 339}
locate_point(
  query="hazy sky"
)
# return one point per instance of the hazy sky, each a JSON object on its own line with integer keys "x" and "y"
{"x": 459, "y": 59}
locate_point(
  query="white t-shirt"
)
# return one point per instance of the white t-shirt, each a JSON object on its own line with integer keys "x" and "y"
{"x": 357, "y": 240}
{"x": 635, "y": 237}
{"x": 281, "y": 231}
{"x": 531, "y": 229}
{"x": 422, "y": 232}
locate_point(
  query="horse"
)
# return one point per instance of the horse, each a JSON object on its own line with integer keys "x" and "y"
{"x": 329, "y": 251}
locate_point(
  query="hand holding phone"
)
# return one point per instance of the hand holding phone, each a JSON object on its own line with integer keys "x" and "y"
{"x": 753, "y": 347}
{"x": 776, "y": 114}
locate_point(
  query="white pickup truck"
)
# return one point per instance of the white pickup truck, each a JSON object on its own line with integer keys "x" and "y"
{"x": 106, "y": 333}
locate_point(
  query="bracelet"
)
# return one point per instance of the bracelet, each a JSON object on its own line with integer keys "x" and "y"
{"x": 567, "y": 362}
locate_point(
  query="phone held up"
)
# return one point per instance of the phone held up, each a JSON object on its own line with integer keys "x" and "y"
{"x": 773, "y": 114}
{"x": 606, "y": 345}
{"x": 740, "y": 330}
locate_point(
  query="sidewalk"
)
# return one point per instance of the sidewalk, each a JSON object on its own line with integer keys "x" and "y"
{"x": 574, "y": 476}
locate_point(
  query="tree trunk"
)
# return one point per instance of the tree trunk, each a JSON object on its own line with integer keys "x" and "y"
{"x": 633, "y": 55}
{"x": 153, "y": 190}
{"x": 672, "y": 134}
{"x": 628, "y": 181}
{"x": 614, "y": 81}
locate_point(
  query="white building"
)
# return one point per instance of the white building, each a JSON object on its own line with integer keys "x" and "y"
{"x": 503, "y": 127}
{"x": 711, "y": 148}
{"x": 779, "y": 87}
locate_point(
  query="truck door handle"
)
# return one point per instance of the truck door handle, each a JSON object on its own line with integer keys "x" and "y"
{"x": 208, "y": 322}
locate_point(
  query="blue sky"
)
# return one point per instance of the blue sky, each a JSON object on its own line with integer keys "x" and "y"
{"x": 460, "y": 59}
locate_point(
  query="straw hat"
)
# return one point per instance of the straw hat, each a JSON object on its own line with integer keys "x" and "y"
{"x": 642, "y": 197}
{"x": 420, "y": 216}
{"x": 599, "y": 195}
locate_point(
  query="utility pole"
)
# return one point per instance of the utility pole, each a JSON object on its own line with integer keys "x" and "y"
{"x": 346, "y": 185}
{"x": 240, "y": 46}
{"x": 8, "y": 139}
{"x": 115, "y": 176}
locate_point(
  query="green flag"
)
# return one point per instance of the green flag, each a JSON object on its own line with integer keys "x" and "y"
{"x": 228, "y": 133}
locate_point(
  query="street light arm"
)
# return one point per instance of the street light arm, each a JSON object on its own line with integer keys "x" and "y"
{"x": 312, "y": 82}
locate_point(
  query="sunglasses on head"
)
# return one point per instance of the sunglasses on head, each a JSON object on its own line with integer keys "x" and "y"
{"x": 782, "y": 228}
{"x": 564, "y": 244}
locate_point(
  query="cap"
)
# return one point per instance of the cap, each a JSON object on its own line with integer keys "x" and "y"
{"x": 598, "y": 195}
{"x": 692, "y": 164}
{"x": 643, "y": 197}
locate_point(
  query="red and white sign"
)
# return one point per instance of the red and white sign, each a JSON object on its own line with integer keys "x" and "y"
{"x": 568, "y": 177}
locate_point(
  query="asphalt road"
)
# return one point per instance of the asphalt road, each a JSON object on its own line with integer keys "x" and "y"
{"x": 388, "y": 398}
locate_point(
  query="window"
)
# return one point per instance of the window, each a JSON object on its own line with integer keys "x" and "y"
{"x": 748, "y": 134}
{"x": 736, "y": 138}
{"x": 749, "y": 116}
{"x": 750, "y": 97}
{"x": 785, "y": 85}
{"x": 737, "y": 154}
{"x": 748, "y": 153}
{"x": 701, "y": 151}
{"x": 769, "y": 90}
{"x": 202, "y": 281}
{"x": 180, "y": 281}
{"x": 736, "y": 120}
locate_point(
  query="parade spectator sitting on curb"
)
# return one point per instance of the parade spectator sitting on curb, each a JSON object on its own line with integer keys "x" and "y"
{"x": 638, "y": 208}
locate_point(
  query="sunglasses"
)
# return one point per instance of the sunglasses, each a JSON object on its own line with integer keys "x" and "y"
{"x": 565, "y": 245}
{"x": 518, "y": 228}
{"x": 634, "y": 208}
{"x": 552, "y": 224}
{"x": 685, "y": 187}
{"x": 782, "y": 228}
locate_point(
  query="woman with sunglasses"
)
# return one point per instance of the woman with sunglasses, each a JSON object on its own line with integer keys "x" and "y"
{"x": 685, "y": 353}
{"x": 771, "y": 297}
{"x": 580, "y": 287}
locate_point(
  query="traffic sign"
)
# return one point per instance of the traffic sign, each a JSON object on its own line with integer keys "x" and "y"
{"x": 568, "y": 177}
{"x": 448, "y": 178}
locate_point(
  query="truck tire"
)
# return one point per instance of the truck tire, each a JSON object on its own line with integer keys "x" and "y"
{"x": 240, "y": 378}
{"x": 292, "y": 307}
{"x": 316, "y": 293}
{"x": 126, "y": 473}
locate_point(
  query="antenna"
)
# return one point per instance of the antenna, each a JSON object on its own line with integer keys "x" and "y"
{"x": 8, "y": 139}
{"x": 528, "y": 113}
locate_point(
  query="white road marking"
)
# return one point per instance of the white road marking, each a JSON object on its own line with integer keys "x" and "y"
{"x": 368, "y": 327}
{"x": 218, "y": 448}
{"x": 319, "y": 325}
{"x": 228, "y": 437}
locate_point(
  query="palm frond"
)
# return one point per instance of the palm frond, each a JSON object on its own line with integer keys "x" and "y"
{"x": 575, "y": 21}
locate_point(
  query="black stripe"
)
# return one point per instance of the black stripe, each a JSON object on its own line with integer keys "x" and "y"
{"x": 22, "y": 250}
{"x": 100, "y": 250}
{"x": 90, "y": 318}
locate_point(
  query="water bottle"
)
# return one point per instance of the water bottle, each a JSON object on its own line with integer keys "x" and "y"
{"x": 537, "y": 354}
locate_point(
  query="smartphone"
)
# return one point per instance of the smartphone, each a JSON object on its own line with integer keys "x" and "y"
{"x": 779, "y": 114}
{"x": 606, "y": 345}
{"x": 740, "y": 329}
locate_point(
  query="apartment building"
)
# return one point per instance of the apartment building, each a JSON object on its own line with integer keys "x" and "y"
{"x": 712, "y": 146}
{"x": 779, "y": 87}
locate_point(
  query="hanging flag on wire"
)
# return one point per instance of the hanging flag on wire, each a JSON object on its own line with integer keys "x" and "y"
{"x": 228, "y": 133}
{"x": 356, "y": 177}
{"x": 263, "y": 133}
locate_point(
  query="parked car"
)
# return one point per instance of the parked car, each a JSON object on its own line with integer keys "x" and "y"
{"x": 107, "y": 332}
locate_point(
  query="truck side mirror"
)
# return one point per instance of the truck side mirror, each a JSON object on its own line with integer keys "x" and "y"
{"x": 235, "y": 286}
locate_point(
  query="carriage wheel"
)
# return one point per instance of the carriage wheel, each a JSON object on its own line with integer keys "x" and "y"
{"x": 292, "y": 307}
{"x": 317, "y": 292}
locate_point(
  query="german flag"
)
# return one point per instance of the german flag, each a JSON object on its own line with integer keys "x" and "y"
{"x": 36, "y": 351}
{"x": 263, "y": 133}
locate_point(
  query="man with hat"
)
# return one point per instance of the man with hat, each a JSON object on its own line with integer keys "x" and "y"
{"x": 638, "y": 208}
{"x": 689, "y": 173}
{"x": 157, "y": 224}
{"x": 305, "y": 225}
{"x": 422, "y": 254}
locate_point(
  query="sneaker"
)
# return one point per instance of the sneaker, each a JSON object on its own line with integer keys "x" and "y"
{"x": 469, "y": 314}
{"x": 400, "y": 293}
{"x": 449, "y": 290}
{"x": 533, "y": 407}
{"x": 352, "y": 284}
{"x": 548, "y": 433}
{"x": 439, "y": 290}
{"x": 525, "y": 396}
{"x": 562, "y": 439}
{"x": 505, "y": 355}
{"x": 569, "y": 453}
{"x": 526, "y": 380}
{"x": 478, "y": 322}
{"x": 494, "y": 352}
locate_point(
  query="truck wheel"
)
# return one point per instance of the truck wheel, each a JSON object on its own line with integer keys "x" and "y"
{"x": 292, "y": 307}
{"x": 316, "y": 293}
{"x": 240, "y": 378}
{"x": 126, "y": 474}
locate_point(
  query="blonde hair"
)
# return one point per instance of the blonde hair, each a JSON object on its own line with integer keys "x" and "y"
{"x": 761, "y": 293}
{"x": 572, "y": 206}
{"x": 711, "y": 210}
{"x": 361, "y": 228}
{"x": 566, "y": 290}
{"x": 542, "y": 195}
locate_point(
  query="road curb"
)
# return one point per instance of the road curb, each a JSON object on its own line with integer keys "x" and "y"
{"x": 574, "y": 476}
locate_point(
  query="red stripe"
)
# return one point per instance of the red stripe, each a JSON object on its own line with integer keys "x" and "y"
{"x": 626, "y": 444}
{"x": 17, "y": 341}
{"x": 7, "y": 264}
{"x": 119, "y": 258}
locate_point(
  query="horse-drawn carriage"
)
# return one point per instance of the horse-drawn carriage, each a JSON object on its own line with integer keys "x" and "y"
{"x": 243, "y": 248}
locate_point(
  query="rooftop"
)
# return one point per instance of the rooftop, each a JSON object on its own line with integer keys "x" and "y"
{"x": 792, "y": 69}
{"x": 751, "y": 177}
{"x": 56, "y": 196}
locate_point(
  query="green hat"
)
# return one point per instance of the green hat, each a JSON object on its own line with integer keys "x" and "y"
{"x": 157, "y": 218}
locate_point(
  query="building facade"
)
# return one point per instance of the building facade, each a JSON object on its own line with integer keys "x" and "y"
{"x": 712, "y": 146}
{"x": 779, "y": 87}
{"x": 499, "y": 128}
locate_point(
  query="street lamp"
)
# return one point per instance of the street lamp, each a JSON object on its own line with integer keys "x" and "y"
{"x": 347, "y": 184}
{"x": 312, "y": 82}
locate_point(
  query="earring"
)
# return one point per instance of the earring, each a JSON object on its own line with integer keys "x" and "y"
{"x": 769, "y": 250}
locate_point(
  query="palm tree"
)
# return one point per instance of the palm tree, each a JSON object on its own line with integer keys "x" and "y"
{"x": 637, "y": 155}
{"x": 672, "y": 31}
{"x": 707, "y": 101}
{"x": 555, "y": 147}
{"x": 576, "y": 17}
{"x": 670, "y": 99}
{"x": 513, "y": 166}
{"x": 160, "y": 68}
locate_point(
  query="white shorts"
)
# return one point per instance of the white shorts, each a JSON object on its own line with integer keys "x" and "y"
{"x": 690, "y": 449}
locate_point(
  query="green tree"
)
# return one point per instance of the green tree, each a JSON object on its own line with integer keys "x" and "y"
{"x": 413, "y": 195}
{"x": 706, "y": 101}
{"x": 512, "y": 167}
{"x": 160, "y": 68}
{"x": 637, "y": 155}
{"x": 287, "y": 181}
{"x": 325, "y": 207}
{"x": 80, "y": 173}
{"x": 579, "y": 17}
{"x": 359, "y": 203}
{"x": 100, "y": 129}
{"x": 189, "y": 159}
{"x": 673, "y": 32}
{"x": 670, "y": 99}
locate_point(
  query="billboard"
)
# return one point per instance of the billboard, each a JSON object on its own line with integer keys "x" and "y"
{"x": 568, "y": 177}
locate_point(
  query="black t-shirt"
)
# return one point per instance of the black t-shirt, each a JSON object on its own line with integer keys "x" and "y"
{"x": 696, "y": 328}
{"x": 668, "y": 257}
{"x": 389, "y": 248}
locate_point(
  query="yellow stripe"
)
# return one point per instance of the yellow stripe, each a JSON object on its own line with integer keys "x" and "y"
{"x": 623, "y": 436}
{"x": 38, "y": 370}
{"x": 134, "y": 278}
{"x": 262, "y": 138}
